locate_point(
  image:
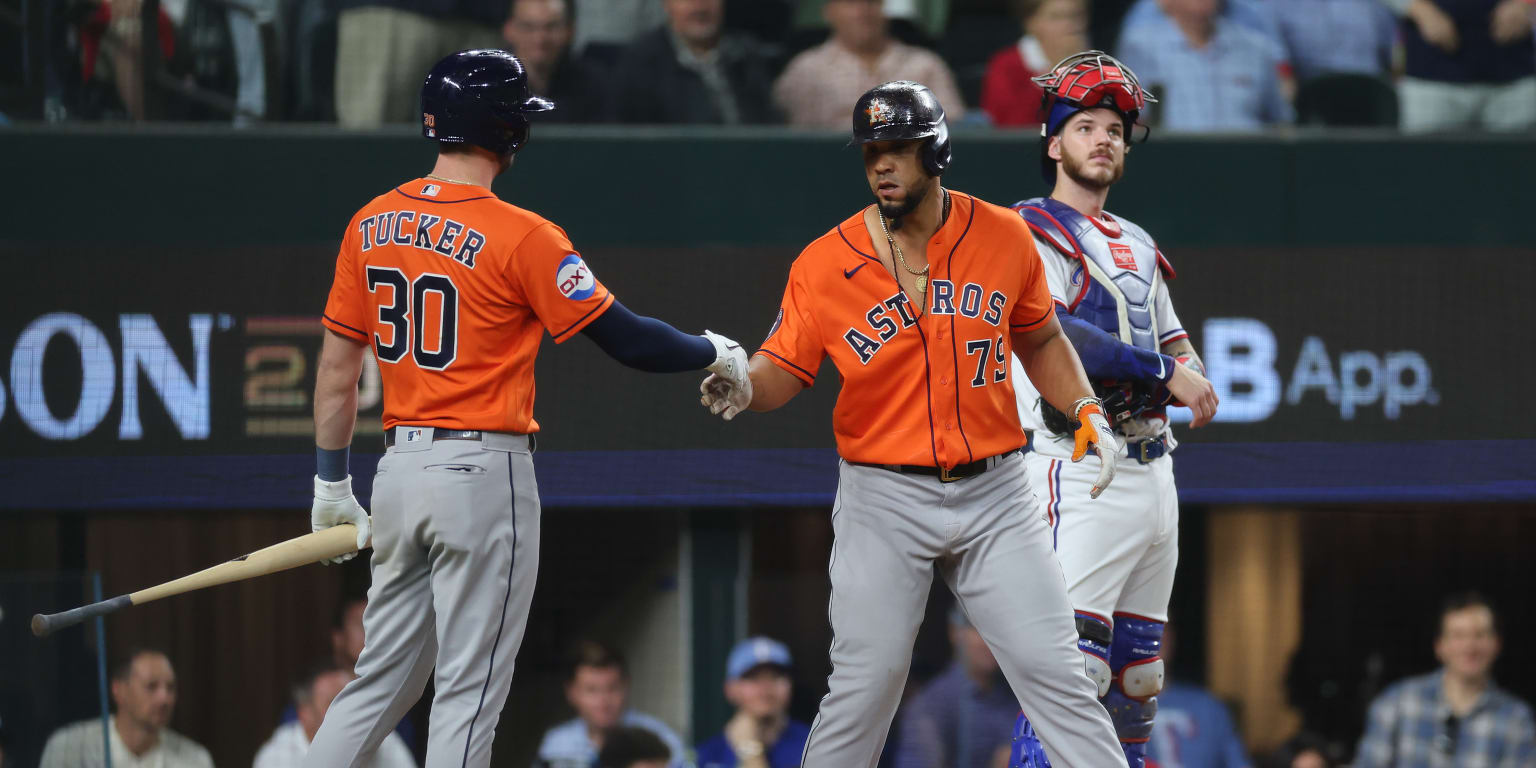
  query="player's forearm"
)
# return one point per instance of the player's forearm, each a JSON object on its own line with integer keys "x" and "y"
{"x": 1052, "y": 366}
{"x": 772, "y": 386}
{"x": 648, "y": 344}
{"x": 1183, "y": 350}
{"x": 1105, "y": 357}
{"x": 341, "y": 363}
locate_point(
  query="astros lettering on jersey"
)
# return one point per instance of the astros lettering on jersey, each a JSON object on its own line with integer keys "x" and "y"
{"x": 455, "y": 313}
{"x": 923, "y": 385}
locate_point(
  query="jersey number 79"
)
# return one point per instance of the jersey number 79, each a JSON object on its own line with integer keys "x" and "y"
{"x": 408, "y": 301}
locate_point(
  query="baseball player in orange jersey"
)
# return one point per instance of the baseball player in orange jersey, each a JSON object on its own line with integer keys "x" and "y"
{"x": 454, "y": 289}
{"x": 919, "y": 300}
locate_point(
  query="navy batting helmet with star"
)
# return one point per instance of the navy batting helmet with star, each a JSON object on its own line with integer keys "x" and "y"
{"x": 479, "y": 97}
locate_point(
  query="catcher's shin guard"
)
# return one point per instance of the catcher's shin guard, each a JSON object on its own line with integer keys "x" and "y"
{"x": 1138, "y": 677}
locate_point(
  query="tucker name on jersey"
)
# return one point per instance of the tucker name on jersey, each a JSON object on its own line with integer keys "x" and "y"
{"x": 424, "y": 231}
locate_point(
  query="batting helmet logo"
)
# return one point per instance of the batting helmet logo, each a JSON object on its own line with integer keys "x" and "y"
{"x": 878, "y": 112}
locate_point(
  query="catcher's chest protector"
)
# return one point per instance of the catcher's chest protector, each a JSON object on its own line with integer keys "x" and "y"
{"x": 1117, "y": 259}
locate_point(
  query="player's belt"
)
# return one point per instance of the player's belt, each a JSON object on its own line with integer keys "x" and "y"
{"x": 1149, "y": 450}
{"x": 446, "y": 434}
{"x": 957, "y": 472}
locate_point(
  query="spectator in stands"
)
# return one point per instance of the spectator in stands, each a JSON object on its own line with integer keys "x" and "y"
{"x": 1323, "y": 37}
{"x": 690, "y": 71}
{"x": 1053, "y": 30}
{"x": 312, "y": 696}
{"x": 144, "y": 698}
{"x": 1454, "y": 715}
{"x": 633, "y": 748}
{"x": 597, "y": 687}
{"x": 539, "y": 32}
{"x": 1208, "y": 72}
{"x": 1193, "y": 729}
{"x": 820, "y": 85}
{"x": 964, "y": 717}
{"x": 1256, "y": 15}
{"x": 1471, "y": 64}
{"x": 385, "y": 47}
{"x": 347, "y": 632}
{"x": 760, "y": 734}
{"x": 606, "y": 27}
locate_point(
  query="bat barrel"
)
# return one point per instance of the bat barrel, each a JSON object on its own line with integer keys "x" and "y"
{"x": 44, "y": 625}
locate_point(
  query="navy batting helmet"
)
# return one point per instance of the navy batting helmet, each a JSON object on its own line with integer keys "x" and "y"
{"x": 1087, "y": 80}
{"x": 904, "y": 110}
{"x": 479, "y": 97}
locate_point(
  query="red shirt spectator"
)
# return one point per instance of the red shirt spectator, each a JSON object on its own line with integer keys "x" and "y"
{"x": 1053, "y": 30}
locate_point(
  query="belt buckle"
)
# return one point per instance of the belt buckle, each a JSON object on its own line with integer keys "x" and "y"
{"x": 946, "y": 477}
{"x": 1142, "y": 448}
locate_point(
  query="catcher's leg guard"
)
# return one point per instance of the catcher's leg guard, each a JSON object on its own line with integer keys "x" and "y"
{"x": 1093, "y": 639}
{"x": 1138, "y": 677}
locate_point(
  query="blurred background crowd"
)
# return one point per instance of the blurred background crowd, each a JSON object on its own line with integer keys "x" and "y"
{"x": 1215, "y": 65}
{"x": 958, "y": 712}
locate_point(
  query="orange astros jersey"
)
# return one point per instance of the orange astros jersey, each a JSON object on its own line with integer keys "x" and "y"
{"x": 454, "y": 288}
{"x": 919, "y": 387}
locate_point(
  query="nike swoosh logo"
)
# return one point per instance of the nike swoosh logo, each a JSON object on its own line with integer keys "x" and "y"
{"x": 1161, "y": 366}
{"x": 848, "y": 273}
{"x": 732, "y": 346}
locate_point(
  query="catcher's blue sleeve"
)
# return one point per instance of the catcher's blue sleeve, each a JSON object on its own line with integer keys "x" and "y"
{"x": 1108, "y": 358}
{"x": 648, "y": 344}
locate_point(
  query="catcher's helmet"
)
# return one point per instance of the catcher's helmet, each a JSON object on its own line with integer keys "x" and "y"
{"x": 479, "y": 97}
{"x": 903, "y": 110}
{"x": 1087, "y": 80}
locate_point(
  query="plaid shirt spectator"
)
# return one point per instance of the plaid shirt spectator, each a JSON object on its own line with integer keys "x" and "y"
{"x": 819, "y": 86}
{"x": 1327, "y": 36}
{"x": 1410, "y": 725}
{"x": 1230, "y": 84}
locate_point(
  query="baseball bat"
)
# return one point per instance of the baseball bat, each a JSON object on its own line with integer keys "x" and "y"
{"x": 303, "y": 550}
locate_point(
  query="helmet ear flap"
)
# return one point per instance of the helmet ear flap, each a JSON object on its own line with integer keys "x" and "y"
{"x": 936, "y": 150}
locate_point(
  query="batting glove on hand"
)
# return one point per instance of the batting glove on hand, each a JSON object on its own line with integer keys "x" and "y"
{"x": 335, "y": 505}
{"x": 1093, "y": 430}
{"x": 728, "y": 391}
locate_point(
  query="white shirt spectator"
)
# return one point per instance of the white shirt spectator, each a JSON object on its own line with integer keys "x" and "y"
{"x": 287, "y": 748}
{"x": 79, "y": 745}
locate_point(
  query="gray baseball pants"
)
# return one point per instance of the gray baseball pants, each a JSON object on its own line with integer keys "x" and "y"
{"x": 987, "y": 538}
{"x": 455, "y": 556}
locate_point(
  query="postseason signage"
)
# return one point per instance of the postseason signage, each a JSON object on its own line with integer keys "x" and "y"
{"x": 184, "y": 353}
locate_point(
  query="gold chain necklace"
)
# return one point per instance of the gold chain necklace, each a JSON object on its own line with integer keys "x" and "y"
{"x": 436, "y": 177}
{"x": 921, "y": 283}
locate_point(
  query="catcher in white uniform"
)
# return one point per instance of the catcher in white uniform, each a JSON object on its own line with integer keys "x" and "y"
{"x": 1118, "y": 551}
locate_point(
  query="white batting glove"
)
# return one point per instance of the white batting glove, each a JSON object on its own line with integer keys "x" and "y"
{"x": 1094, "y": 433}
{"x": 334, "y": 505}
{"x": 729, "y": 390}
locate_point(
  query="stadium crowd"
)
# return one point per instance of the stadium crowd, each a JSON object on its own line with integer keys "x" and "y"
{"x": 961, "y": 717}
{"x": 1215, "y": 65}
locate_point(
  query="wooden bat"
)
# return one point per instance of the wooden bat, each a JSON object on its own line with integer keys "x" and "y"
{"x": 303, "y": 550}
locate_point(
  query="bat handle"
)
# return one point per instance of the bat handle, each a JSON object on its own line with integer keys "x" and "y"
{"x": 44, "y": 625}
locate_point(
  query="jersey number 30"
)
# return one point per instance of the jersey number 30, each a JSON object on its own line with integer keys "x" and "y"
{"x": 407, "y": 303}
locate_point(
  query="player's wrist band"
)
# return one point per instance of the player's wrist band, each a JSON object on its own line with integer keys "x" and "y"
{"x": 1084, "y": 402}
{"x": 331, "y": 464}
